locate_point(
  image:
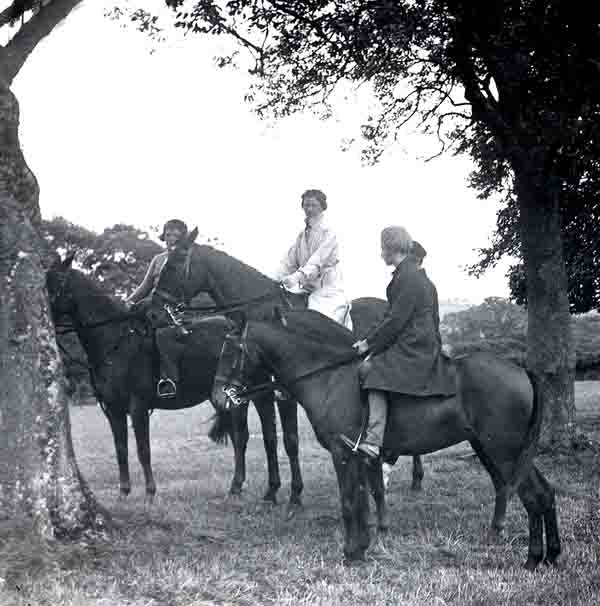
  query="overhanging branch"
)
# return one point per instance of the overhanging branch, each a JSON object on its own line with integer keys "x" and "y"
{"x": 31, "y": 34}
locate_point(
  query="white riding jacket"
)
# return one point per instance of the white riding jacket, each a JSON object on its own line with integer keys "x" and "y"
{"x": 315, "y": 255}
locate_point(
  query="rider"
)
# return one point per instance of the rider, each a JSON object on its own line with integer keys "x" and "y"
{"x": 168, "y": 339}
{"x": 311, "y": 265}
{"x": 404, "y": 347}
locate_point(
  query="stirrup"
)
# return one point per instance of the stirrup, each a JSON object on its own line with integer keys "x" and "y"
{"x": 352, "y": 445}
{"x": 166, "y": 388}
{"x": 361, "y": 448}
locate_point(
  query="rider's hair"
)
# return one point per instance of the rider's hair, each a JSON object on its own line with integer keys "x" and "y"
{"x": 318, "y": 194}
{"x": 418, "y": 252}
{"x": 174, "y": 224}
{"x": 396, "y": 239}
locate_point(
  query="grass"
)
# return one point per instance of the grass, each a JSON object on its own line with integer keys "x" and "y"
{"x": 196, "y": 548}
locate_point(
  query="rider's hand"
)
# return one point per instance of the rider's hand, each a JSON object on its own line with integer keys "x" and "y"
{"x": 292, "y": 280}
{"x": 361, "y": 347}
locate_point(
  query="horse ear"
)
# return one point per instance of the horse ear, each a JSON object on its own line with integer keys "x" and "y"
{"x": 280, "y": 316}
{"x": 66, "y": 264}
{"x": 192, "y": 235}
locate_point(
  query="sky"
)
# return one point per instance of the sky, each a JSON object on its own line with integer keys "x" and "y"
{"x": 117, "y": 134}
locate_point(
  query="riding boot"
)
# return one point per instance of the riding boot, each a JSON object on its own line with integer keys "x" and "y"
{"x": 371, "y": 443}
{"x": 168, "y": 347}
{"x": 280, "y": 394}
{"x": 378, "y": 406}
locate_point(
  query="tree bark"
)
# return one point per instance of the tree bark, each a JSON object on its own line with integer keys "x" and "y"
{"x": 550, "y": 345}
{"x": 39, "y": 476}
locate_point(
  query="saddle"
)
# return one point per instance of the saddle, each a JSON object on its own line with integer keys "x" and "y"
{"x": 449, "y": 367}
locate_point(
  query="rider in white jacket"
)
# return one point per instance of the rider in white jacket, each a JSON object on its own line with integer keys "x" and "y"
{"x": 312, "y": 263}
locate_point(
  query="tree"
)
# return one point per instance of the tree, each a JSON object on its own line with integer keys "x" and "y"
{"x": 118, "y": 257}
{"x": 38, "y": 471}
{"x": 512, "y": 83}
{"x": 581, "y": 237}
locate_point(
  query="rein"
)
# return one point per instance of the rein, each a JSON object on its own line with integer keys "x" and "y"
{"x": 279, "y": 290}
{"x": 247, "y": 393}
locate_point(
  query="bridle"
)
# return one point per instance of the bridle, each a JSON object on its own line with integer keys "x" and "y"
{"x": 180, "y": 303}
{"x": 236, "y": 390}
{"x": 61, "y": 293}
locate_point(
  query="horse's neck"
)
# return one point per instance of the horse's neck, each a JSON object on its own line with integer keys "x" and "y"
{"x": 288, "y": 358}
{"x": 230, "y": 280}
{"x": 92, "y": 307}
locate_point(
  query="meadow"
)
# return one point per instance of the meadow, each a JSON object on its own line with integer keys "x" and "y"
{"x": 195, "y": 547}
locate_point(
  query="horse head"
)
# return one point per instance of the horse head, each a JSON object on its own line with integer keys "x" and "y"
{"x": 234, "y": 366}
{"x": 57, "y": 284}
{"x": 184, "y": 274}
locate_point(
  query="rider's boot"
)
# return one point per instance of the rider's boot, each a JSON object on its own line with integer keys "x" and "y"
{"x": 370, "y": 445}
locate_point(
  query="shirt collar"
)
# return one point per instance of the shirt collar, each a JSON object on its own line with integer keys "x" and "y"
{"x": 403, "y": 265}
{"x": 314, "y": 222}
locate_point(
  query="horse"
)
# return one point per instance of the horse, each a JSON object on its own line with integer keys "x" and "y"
{"x": 122, "y": 362}
{"x": 497, "y": 408}
{"x": 192, "y": 268}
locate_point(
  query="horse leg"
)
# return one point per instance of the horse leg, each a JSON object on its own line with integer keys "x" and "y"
{"x": 502, "y": 496}
{"x": 417, "y": 473}
{"x": 375, "y": 475}
{"x": 288, "y": 413}
{"x": 141, "y": 429}
{"x": 266, "y": 411}
{"x": 239, "y": 438}
{"x": 352, "y": 481}
{"x": 118, "y": 425}
{"x": 538, "y": 497}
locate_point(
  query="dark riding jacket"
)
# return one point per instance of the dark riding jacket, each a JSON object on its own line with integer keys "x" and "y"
{"x": 406, "y": 345}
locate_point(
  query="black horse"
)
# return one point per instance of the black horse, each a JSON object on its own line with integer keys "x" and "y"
{"x": 192, "y": 268}
{"x": 497, "y": 409}
{"x": 122, "y": 360}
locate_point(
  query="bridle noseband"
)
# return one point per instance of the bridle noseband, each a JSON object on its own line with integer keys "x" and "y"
{"x": 232, "y": 386}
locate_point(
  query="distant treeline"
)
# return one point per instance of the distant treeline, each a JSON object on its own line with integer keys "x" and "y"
{"x": 499, "y": 326}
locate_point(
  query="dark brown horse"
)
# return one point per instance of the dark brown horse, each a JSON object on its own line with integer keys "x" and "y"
{"x": 193, "y": 268}
{"x": 122, "y": 360}
{"x": 497, "y": 409}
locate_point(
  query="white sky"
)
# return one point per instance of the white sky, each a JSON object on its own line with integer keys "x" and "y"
{"x": 118, "y": 135}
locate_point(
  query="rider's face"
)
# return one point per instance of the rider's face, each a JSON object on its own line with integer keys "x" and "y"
{"x": 312, "y": 207}
{"x": 387, "y": 255}
{"x": 172, "y": 236}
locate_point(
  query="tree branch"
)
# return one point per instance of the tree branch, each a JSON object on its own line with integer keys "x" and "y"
{"x": 7, "y": 15}
{"x": 31, "y": 34}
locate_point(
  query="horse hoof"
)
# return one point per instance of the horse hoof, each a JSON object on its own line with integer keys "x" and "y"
{"x": 353, "y": 561}
{"x": 551, "y": 560}
{"x": 270, "y": 498}
{"x": 235, "y": 498}
{"x": 292, "y": 510}
{"x": 531, "y": 563}
{"x": 494, "y": 536}
{"x": 383, "y": 528}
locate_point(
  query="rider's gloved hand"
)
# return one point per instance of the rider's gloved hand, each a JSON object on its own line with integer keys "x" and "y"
{"x": 293, "y": 280}
{"x": 361, "y": 347}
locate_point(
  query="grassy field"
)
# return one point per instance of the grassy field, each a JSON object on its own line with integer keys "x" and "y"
{"x": 195, "y": 548}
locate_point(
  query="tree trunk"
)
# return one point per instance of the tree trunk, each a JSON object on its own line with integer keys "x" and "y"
{"x": 550, "y": 347}
{"x": 39, "y": 476}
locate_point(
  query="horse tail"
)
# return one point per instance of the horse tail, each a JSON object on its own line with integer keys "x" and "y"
{"x": 221, "y": 427}
{"x": 529, "y": 448}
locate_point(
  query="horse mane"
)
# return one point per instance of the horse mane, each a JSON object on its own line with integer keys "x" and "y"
{"x": 233, "y": 264}
{"x": 317, "y": 330}
{"x": 101, "y": 302}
